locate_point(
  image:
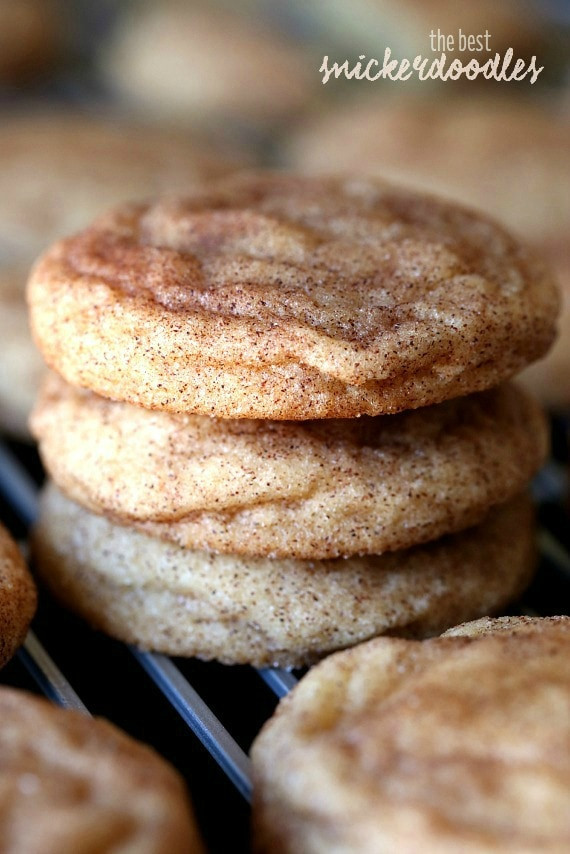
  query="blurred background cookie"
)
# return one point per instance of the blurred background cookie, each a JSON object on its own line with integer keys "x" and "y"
{"x": 205, "y": 63}
{"x": 32, "y": 37}
{"x": 443, "y": 745}
{"x": 21, "y": 366}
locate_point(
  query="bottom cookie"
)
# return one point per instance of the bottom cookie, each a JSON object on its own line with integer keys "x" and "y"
{"x": 71, "y": 783}
{"x": 274, "y": 612}
{"x": 454, "y": 744}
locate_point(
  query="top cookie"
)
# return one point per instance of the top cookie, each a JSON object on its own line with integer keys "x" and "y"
{"x": 276, "y": 296}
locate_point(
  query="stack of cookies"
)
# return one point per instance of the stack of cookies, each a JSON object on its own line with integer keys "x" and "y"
{"x": 278, "y": 424}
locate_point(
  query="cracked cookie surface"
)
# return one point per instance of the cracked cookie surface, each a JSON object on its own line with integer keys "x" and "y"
{"x": 282, "y": 297}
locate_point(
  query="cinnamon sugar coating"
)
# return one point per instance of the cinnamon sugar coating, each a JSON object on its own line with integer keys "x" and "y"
{"x": 314, "y": 489}
{"x": 69, "y": 782}
{"x": 458, "y": 743}
{"x": 274, "y": 296}
{"x": 274, "y": 612}
{"x": 18, "y": 597}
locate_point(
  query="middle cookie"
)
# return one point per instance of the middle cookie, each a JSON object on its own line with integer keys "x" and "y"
{"x": 308, "y": 490}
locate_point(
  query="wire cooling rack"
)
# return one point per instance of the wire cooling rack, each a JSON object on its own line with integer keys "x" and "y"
{"x": 204, "y": 716}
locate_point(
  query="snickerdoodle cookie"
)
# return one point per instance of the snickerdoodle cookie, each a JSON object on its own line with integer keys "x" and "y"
{"x": 276, "y": 296}
{"x": 71, "y": 783}
{"x": 311, "y": 489}
{"x": 264, "y": 612}
{"x": 17, "y": 597}
{"x": 450, "y": 744}
{"x": 199, "y": 63}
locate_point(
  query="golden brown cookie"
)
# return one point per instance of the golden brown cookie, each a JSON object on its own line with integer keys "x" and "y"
{"x": 59, "y": 169}
{"x": 17, "y": 597}
{"x": 276, "y": 296}
{"x": 69, "y": 782}
{"x": 452, "y": 744}
{"x": 283, "y": 612}
{"x": 202, "y": 65}
{"x": 311, "y": 489}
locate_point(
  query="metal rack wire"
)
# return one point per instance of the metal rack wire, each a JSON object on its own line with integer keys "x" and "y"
{"x": 200, "y": 694}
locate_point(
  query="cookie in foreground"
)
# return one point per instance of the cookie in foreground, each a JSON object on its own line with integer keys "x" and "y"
{"x": 457, "y": 743}
{"x": 301, "y": 489}
{"x": 18, "y": 597}
{"x": 264, "y": 612}
{"x": 69, "y": 782}
{"x": 278, "y": 296}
